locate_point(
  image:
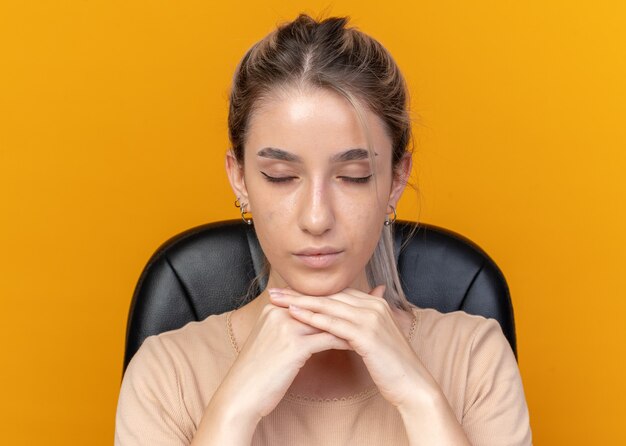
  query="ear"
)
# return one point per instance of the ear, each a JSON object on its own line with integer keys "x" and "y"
{"x": 236, "y": 177}
{"x": 400, "y": 178}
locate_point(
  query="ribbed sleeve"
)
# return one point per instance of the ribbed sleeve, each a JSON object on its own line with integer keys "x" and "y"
{"x": 150, "y": 410}
{"x": 495, "y": 411}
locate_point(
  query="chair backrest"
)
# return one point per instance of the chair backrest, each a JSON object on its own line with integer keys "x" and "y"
{"x": 207, "y": 270}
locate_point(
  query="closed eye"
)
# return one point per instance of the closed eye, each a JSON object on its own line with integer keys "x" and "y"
{"x": 356, "y": 179}
{"x": 277, "y": 179}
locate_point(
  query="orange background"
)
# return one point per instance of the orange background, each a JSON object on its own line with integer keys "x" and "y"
{"x": 112, "y": 136}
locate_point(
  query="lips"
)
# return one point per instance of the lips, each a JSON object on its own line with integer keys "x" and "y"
{"x": 318, "y": 251}
{"x": 318, "y": 257}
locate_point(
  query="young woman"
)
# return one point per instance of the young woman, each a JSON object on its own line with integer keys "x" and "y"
{"x": 331, "y": 352}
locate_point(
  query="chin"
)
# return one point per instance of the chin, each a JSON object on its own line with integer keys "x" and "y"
{"x": 320, "y": 284}
{"x": 317, "y": 290}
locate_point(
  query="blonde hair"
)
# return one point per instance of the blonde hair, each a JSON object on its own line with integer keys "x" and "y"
{"x": 327, "y": 54}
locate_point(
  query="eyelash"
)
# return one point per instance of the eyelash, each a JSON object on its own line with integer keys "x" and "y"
{"x": 356, "y": 180}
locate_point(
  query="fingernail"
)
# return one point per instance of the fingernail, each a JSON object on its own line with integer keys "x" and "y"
{"x": 294, "y": 308}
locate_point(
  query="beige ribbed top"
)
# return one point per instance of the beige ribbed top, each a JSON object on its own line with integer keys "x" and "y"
{"x": 172, "y": 377}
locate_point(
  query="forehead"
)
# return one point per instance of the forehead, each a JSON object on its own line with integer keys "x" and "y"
{"x": 314, "y": 124}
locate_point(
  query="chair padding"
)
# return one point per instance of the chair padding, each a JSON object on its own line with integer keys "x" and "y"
{"x": 207, "y": 270}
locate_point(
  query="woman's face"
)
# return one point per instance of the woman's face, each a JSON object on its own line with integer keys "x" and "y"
{"x": 317, "y": 202}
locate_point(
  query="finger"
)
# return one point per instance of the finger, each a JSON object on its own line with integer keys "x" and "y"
{"x": 274, "y": 316}
{"x": 337, "y": 326}
{"x": 375, "y": 300}
{"x": 281, "y": 299}
{"x": 375, "y": 294}
{"x": 325, "y": 341}
{"x": 306, "y": 329}
{"x": 326, "y": 305}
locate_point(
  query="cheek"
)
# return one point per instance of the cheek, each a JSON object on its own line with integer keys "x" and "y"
{"x": 271, "y": 209}
{"x": 366, "y": 203}
{"x": 270, "y": 213}
{"x": 363, "y": 220}
{"x": 265, "y": 204}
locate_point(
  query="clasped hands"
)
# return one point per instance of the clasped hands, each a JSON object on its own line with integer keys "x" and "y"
{"x": 364, "y": 323}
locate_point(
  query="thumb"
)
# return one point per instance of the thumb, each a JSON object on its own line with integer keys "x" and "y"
{"x": 379, "y": 291}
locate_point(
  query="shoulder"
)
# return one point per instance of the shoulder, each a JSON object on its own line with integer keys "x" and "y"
{"x": 185, "y": 350}
{"x": 474, "y": 364}
{"x": 159, "y": 398}
{"x": 463, "y": 341}
{"x": 209, "y": 334}
{"x": 171, "y": 378}
{"x": 432, "y": 323}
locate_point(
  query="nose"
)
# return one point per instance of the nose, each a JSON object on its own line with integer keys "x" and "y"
{"x": 316, "y": 215}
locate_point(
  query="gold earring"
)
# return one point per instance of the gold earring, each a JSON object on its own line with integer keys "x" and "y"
{"x": 242, "y": 208}
{"x": 395, "y": 216}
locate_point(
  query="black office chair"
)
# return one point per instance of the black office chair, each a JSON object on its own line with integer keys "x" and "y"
{"x": 207, "y": 270}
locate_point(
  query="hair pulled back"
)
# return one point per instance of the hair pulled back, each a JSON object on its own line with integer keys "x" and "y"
{"x": 306, "y": 53}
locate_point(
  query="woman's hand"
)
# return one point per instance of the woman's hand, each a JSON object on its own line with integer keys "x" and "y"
{"x": 274, "y": 352}
{"x": 366, "y": 323}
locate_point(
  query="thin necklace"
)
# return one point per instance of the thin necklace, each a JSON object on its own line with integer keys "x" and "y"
{"x": 231, "y": 335}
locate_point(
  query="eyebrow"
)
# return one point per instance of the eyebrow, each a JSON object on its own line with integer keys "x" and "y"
{"x": 355, "y": 154}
